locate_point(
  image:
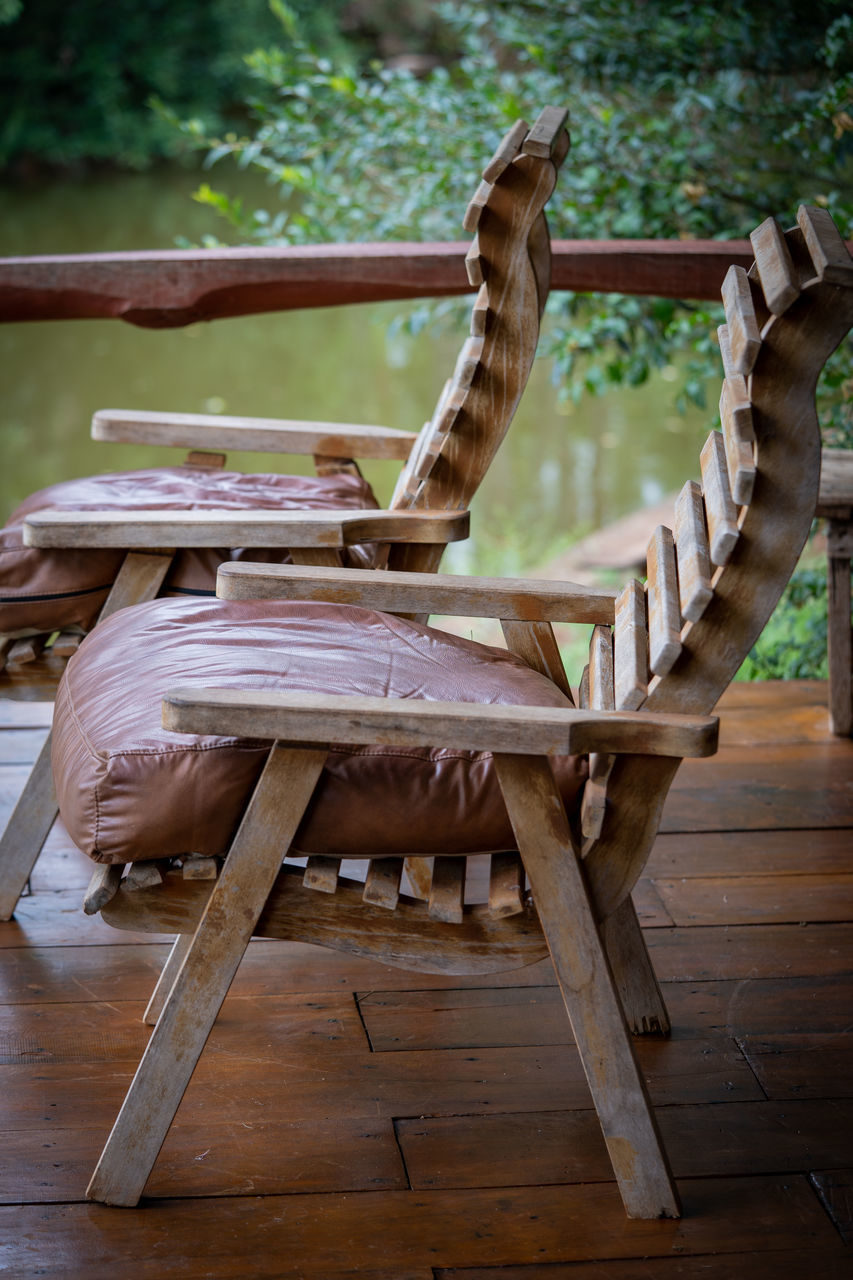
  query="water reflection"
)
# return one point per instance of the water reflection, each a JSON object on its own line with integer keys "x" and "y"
{"x": 563, "y": 470}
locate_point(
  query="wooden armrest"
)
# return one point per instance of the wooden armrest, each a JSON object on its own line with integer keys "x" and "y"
{"x": 517, "y": 599}
{"x": 321, "y": 718}
{"x": 156, "y": 529}
{"x": 266, "y": 435}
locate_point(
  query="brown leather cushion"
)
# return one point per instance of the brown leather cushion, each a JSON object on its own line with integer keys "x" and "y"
{"x": 45, "y": 590}
{"x": 129, "y": 789}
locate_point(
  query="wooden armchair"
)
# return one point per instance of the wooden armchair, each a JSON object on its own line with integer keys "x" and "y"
{"x": 272, "y": 761}
{"x": 166, "y": 530}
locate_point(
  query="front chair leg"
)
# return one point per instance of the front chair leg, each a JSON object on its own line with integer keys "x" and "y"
{"x": 265, "y": 834}
{"x": 583, "y": 972}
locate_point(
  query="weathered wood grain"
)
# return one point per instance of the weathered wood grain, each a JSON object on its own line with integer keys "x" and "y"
{"x": 412, "y": 721}
{"x": 266, "y": 435}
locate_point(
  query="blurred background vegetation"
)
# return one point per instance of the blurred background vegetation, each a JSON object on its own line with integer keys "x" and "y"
{"x": 368, "y": 118}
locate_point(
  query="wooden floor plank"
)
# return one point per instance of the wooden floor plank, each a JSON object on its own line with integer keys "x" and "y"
{"x": 802, "y": 1066}
{"x": 319, "y": 1235}
{"x": 792, "y": 1265}
{"x": 734, "y": 853}
{"x": 397, "y": 1021}
{"x": 558, "y": 1147}
{"x": 835, "y": 1189}
{"x": 711, "y": 952}
{"x": 247, "y": 1156}
{"x": 288, "y": 1123}
{"x": 749, "y": 899}
{"x": 310, "y": 1082}
{"x": 784, "y": 786}
{"x": 127, "y": 971}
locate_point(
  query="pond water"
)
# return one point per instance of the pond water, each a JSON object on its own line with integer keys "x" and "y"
{"x": 562, "y": 471}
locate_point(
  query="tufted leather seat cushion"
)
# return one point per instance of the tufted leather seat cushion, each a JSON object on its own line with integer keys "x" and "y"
{"x": 46, "y": 590}
{"x": 129, "y": 789}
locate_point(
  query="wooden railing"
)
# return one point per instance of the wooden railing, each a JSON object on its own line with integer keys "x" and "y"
{"x": 166, "y": 289}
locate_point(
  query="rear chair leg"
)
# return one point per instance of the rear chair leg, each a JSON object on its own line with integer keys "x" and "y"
{"x": 138, "y": 579}
{"x": 179, "y": 949}
{"x": 583, "y": 972}
{"x": 26, "y": 831}
{"x": 631, "y": 965}
{"x": 266, "y": 833}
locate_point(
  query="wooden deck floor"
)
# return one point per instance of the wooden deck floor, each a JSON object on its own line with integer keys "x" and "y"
{"x": 349, "y": 1119}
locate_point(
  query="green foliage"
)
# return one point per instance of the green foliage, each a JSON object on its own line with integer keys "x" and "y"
{"x": 793, "y": 644}
{"x": 76, "y": 78}
{"x": 696, "y": 123}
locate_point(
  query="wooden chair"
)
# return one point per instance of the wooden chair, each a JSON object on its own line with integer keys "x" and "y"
{"x": 660, "y": 656}
{"x": 323, "y": 521}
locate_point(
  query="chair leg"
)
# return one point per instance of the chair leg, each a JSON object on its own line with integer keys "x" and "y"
{"x": 139, "y": 578}
{"x": 26, "y": 831}
{"x": 636, "y": 981}
{"x": 583, "y": 972}
{"x": 266, "y": 833}
{"x": 180, "y": 948}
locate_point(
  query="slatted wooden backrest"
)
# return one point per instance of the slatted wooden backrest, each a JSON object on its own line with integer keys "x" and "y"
{"x": 713, "y": 582}
{"x": 510, "y": 261}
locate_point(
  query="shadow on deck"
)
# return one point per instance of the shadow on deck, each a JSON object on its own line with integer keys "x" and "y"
{"x": 351, "y": 1119}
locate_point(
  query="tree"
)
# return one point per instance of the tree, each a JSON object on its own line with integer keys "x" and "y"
{"x": 701, "y": 123}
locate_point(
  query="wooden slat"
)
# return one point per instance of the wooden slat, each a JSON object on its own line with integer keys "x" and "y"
{"x": 775, "y": 266}
{"x": 467, "y": 364}
{"x": 143, "y": 875}
{"x": 26, "y": 650}
{"x": 322, "y": 874}
{"x": 476, "y": 205}
{"x": 693, "y": 557}
{"x": 828, "y": 251}
{"x": 102, "y": 887}
{"x": 506, "y": 884}
{"x": 447, "y": 891}
{"x": 736, "y": 381}
{"x": 583, "y": 688}
{"x": 308, "y": 717}
{"x": 152, "y": 529}
{"x": 601, "y": 698}
{"x": 265, "y": 435}
{"x": 382, "y": 885}
{"x": 544, "y": 136}
{"x": 631, "y": 648}
{"x": 480, "y": 312}
{"x": 66, "y": 643}
{"x": 720, "y": 510}
{"x": 516, "y": 599}
{"x": 536, "y": 644}
{"x": 739, "y": 439}
{"x": 507, "y": 150}
{"x": 197, "y": 867}
{"x": 663, "y": 603}
{"x": 474, "y": 264}
{"x": 740, "y": 319}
